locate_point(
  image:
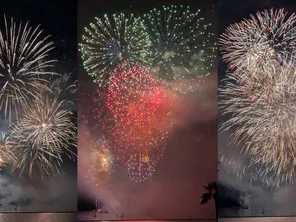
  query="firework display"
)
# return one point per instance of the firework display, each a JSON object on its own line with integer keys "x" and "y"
{"x": 142, "y": 65}
{"x": 40, "y": 128}
{"x": 42, "y": 135}
{"x": 253, "y": 38}
{"x": 23, "y": 65}
{"x": 141, "y": 166}
{"x": 112, "y": 39}
{"x": 246, "y": 169}
{"x": 260, "y": 96}
{"x": 46, "y": 122}
{"x": 33, "y": 160}
{"x": 139, "y": 112}
{"x": 100, "y": 162}
{"x": 6, "y": 146}
{"x": 182, "y": 45}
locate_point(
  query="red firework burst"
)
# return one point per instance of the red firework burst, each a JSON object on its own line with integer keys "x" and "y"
{"x": 139, "y": 112}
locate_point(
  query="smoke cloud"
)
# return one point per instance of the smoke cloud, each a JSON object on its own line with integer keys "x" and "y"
{"x": 190, "y": 160}
{"x": 57, "y": 194}
{"x": 259, "y": 197}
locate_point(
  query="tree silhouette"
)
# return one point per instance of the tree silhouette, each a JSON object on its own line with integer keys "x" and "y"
{"x": 210, "y": 194}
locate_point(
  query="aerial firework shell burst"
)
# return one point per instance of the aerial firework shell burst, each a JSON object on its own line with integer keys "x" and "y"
{"x": 111, "y": 40}
{"x": 182, "y": 45}
{"x": 23, "y": 65}
{"x": 250, "y": 39}
{"x": 43, "y": 135}
{"x": 139, "y": 114}
{"x": 98, "y": 162}
{"x": 260, "y": 96}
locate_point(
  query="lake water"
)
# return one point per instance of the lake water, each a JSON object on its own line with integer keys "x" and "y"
{"x": 91, "y": 216}
{"x": 72, "y": 217}
{"x": 259, "y": 219}
{"x": 38, "y": 217}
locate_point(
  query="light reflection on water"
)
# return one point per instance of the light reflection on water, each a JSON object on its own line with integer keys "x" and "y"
{"x": 191, "y": 220}
{"x": 253, "y": 219}
{"x": 97, "y": 216}
{"x": 38, "y": 217}
{"x": 259, "y": 219}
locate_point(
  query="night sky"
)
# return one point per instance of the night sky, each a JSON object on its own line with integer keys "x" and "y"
{"x": 53, "y": 194}
{"x": 174, "y": 190}
{"x": 264, "y": 201}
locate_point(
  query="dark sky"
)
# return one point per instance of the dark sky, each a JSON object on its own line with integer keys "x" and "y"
{"x": 175, "y": 189}
{"x": 58, "y": 19}
{"x": 276, "y": 202}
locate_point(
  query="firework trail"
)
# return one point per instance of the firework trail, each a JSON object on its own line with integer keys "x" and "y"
{"x": 111, "y": 40}
{"x": 64, "y": 84}
{"x": 66, "y": 90}
{"x": 43, "y": 135}
{"x": 253, "y": 39}
{"x": 234, "y": 161}
{"x": 182, "y": 46}
{"x": 23, "y": 65}
{"x": 6, "y": 147}
{"x": 262, "y": 107}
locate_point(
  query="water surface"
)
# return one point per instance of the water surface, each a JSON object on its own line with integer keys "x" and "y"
{"x": 93, "y": 216}
{"x": 259, "y": 219}
{"x": 38, "y": 217}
